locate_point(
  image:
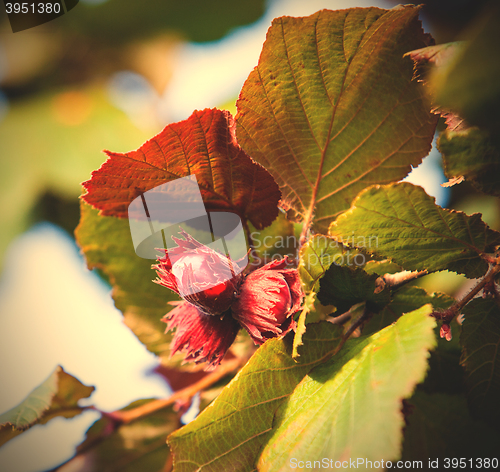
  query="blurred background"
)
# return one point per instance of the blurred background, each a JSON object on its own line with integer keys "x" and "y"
{"x": 110, "y": 75}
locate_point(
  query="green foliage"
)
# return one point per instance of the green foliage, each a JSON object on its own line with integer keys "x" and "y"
{"x": 318, "y": 254}
{"x": 278, "y": 238}
{"x": 230, "y": 433}
{"x": 350, "y": 406}
{"x": 309, "y": 300}
{"x": 481, "y": 358}
{"x": 414, "y": 232}
{"x": 342, "y": 106}
{"x": 473, "y": 154}
{"x": 344, "y": 287}
{"x": 117, "y": 21}
{"x": 440, "y": 426}
{"x": 404, "y": 300}
{"x": 57, "y": 396}
{"x": 333, "y": 110}
{"x": 468, "y": 83}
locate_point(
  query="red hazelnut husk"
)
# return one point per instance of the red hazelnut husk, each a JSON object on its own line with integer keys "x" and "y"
{"x": 204, "y": 338}
{"x": 268, "y": 299}
{"x": 218, "y": 300}
{"x": 200, "y": 275}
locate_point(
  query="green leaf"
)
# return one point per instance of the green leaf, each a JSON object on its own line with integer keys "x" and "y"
{"x": 331, "y": 107}
{"x": 414, "y": 232}
{"x": 107, "y": 245}
{"x": 480, "y": 340}
{"x": 440, "y": 426}
{"x": 404, "y": 300}
{"x": 318, "y": 254}
{"x": 460, "y": 92}
{"x": 473, "y": 154}
{"x": 344, "y": 287}
{"x": 382, "y": 267}
{"x": 350, "y": 407}
{"x": 309, "y": 300}
{"x": 229, "y": 434}
{"x": 57, "y": 396}
{"x": 445, "y": 373}
{"x": 137, "y": 446}
{"x": 429, "y": 62}
{"x": 468, "y": 84}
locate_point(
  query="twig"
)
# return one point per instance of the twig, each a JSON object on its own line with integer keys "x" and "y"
{"x": 367, "y": 314}
{"x": 250, "y": 240}
{"x": 341, "y": 319}
{"x": 447, "y": 315}
{"x": 125, "y": 417}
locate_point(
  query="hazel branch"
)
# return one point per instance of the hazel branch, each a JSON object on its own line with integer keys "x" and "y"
{"x": 449, "y": 314}
{"x": 125, "y": 417}
{"x": 365, "y": 316}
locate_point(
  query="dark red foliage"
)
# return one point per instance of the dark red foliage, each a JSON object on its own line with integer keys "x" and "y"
{"x": 204, "y": 145}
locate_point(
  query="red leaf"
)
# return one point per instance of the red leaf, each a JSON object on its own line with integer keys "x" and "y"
{"x": 205, "y": 145}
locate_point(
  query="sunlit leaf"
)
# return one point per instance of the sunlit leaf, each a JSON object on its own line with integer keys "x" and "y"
{"x": 203, "y": 145}
{"x": 229, "y": 434}
{"x": 318, "y": 254}
{"x": 445, "y": 373}
{"x": 350, "y": 407}
{"x": 439, "y": 426}
{"x": 137, "y": 446}
{"x": 57, "y": 396}
{"x": 382, "y": 267}
{"x": 414, "y": 232}
{"x": 331, "y": 106}
{"x": 107, "y": 245}
{"x": 481, "y": 357}
{"x": 308, "y": 306}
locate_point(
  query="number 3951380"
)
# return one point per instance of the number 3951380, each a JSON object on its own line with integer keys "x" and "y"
{"x": 33, "y": 7}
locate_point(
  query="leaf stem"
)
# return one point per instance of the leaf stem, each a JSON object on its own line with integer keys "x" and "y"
{"x": 305, "y": 229}
{"x": 341, "y": 319}
{"x": 125, "y": 417}
{"x": 251, "y": 244}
